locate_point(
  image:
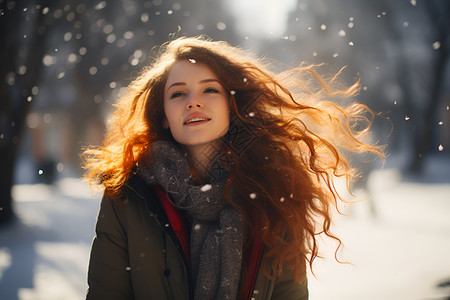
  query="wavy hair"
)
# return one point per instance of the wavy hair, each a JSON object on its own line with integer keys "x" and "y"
{"x": 285, "y": 143}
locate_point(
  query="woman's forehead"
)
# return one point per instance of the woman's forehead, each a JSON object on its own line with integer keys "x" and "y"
{"x": 189, "y": 69}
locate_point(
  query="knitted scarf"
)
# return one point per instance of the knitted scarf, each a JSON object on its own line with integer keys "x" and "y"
{"x": 217, "y": 228}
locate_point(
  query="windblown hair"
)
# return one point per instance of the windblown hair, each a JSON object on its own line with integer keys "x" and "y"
{"x": 285, "y": 143}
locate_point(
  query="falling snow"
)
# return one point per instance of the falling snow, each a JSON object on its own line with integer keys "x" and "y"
{"x": 22, "y": 70}
{"x": 206, "y": 188}
{"x": 145, "y": 18}
{"x": 436, "y": 45}
{"x": 93, "y": 70}
{"x": 82, "y": 51}
{"x": 49, "y": 60}
{"x": 221, "y": 26}
{"x": 60, "y": 167}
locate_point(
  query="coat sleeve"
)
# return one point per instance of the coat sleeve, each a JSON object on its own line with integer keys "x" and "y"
{"x": 108, "y": 275}
{"x": 287, "y": 289}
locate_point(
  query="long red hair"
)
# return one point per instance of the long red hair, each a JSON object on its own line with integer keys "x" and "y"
{"x": 285, "y": 143}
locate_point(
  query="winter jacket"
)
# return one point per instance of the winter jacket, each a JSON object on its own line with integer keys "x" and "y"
{"x": 138, "y": 253}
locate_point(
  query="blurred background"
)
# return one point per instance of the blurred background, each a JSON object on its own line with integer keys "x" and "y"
{"x": 65, "y": 63}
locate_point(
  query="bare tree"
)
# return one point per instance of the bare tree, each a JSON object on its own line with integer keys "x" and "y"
{"x": 22, "y": 32}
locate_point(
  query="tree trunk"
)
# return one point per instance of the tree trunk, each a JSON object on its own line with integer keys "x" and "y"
{"x": 24, "y": 47}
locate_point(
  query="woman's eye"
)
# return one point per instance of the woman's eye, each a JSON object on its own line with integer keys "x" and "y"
{"x": 176, "y": 95}
{"x": 211, "y": 90}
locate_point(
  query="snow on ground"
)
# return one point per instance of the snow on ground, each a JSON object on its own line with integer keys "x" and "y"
{"x": 402, "y": 253}
{"x": 44, "y": 253}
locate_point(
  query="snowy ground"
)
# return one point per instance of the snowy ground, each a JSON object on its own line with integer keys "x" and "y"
{"x": 44, "y": 253}
{"x": 402, "y": 253}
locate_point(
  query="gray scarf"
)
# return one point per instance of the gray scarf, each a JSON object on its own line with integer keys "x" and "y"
{"x": 217, "y": 230}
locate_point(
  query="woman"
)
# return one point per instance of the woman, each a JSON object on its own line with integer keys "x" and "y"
{"x": 218, "y": 177}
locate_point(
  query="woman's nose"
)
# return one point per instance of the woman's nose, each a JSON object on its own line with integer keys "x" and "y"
{"x": 194, "y": 101}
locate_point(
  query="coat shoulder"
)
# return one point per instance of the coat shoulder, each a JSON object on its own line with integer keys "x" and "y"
{"x": 280, "y": 288}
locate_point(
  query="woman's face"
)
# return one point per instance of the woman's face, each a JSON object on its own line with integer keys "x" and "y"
{"x": 196, "y": 104}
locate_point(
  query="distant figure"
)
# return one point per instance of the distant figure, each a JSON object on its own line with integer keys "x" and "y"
{"x": 218, "y": 177}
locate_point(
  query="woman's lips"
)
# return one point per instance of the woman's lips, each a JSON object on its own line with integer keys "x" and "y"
{"x": 196, "y": 118}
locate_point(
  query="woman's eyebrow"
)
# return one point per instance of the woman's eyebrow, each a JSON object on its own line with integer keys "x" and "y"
{"x": 209, "y": 80}
{"x": 184, "y": 83}
{"x": 176, "y": 84}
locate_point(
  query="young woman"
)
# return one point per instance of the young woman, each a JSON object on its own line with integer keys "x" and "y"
{"x": 218, "y": 177}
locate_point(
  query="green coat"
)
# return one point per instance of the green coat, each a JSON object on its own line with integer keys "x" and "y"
{"x": 128, "y": 259}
